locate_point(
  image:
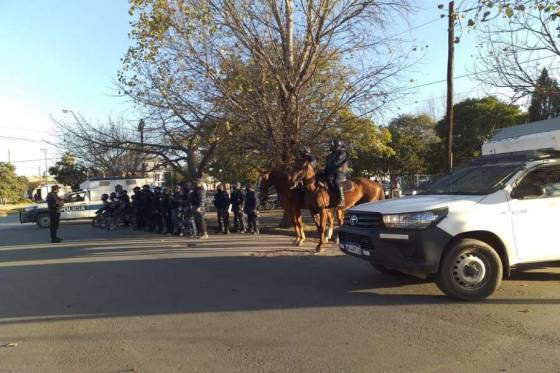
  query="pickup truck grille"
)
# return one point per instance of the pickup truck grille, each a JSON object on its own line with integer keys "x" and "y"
{"x": 365, "y": 220}
{"x": 363, "y": 241}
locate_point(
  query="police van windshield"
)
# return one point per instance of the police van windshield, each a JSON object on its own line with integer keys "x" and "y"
{"x": 475, "y": 180}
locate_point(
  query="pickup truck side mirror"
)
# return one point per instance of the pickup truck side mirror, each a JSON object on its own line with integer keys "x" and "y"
{"x": 529, "y": 190}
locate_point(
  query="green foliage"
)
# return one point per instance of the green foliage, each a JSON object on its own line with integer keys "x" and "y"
{"x": 12, "y": 187}
{"x": 367, "y": 143}
{"x": 68, "y": 172}
{"x": 475, "y": 122}
{"x": 545, "y": 100}
{"x": 412, "y": 139}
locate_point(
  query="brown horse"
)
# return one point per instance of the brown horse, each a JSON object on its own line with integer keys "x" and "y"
{"x": 293, "y": 200}
{"x": 321, "y": 203}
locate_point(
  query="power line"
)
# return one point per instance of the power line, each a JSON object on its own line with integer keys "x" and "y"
{"x": 467, "y": 75}
{"x": 34, "y": 160}
{"x": 25, "y": 130}
{"x": 22, "y": 139}
{"x": 410, "y": 29}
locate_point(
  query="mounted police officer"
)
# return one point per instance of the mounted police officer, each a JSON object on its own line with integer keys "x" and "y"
{"x": 335, "y": 170}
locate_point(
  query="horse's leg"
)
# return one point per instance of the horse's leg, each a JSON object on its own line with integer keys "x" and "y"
{"x": 340, "y": 218}
{"x": 321, "y": 228}
{"x": 301, "y": 227}
{"x": 331, "y": 225}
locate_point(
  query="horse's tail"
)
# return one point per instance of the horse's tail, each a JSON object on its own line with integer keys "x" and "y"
{"x": 381, "y": 190}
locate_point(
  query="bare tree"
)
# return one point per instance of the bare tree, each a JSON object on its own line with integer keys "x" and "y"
{"x": 516, "y": 44}
{"x": 105, "y": 150}
{"x": 272, "y": 74}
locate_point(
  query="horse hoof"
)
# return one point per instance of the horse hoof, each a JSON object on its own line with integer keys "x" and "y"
{"x": 300, "y": 244}
{"x": 295, "y": 242}
{"x": 319, "y": 249}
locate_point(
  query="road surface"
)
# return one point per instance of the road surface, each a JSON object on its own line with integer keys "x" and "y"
{"x": 125, "y": 301}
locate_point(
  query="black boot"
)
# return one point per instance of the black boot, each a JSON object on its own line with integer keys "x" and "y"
{"x": 340, "y": 197}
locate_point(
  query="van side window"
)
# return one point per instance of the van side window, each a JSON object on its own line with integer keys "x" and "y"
{"x": 547, "y": 177}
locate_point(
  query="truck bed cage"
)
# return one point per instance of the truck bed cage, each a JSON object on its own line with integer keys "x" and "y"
{"x": 522, "y": 156}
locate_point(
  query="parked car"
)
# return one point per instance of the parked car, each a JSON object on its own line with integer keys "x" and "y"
{"x": 467, "y": 230}
{"x": 79, "y": 205}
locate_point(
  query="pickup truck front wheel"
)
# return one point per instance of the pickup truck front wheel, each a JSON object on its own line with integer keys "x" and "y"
{"x": 470, "y": 270}
{"x": 43, "y": 220}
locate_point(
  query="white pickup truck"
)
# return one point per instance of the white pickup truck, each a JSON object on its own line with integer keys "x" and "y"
{"x": 82, "y": 204}
{"x": 467, "y": 230}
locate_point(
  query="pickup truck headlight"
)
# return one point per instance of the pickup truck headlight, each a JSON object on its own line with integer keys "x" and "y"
{"x": 414, "y": 220}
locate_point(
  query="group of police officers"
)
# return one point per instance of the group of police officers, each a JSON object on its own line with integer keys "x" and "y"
{"x": 182, "y": 210}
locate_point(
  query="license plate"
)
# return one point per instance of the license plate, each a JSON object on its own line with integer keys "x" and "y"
{"x": 353, "y": 248}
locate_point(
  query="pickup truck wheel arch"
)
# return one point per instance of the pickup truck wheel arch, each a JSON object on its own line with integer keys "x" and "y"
{"x": 489, "y": 238}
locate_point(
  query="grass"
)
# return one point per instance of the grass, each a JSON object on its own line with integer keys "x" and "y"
{"x": 7, "y": 209}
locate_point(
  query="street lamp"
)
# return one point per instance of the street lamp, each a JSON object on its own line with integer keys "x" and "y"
{"x": 46, "y": 177}
{"x": 68, "y": 111}
{"x": 141, "y": 125}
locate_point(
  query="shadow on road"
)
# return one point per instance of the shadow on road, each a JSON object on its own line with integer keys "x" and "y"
{"x": 134, "y": 278}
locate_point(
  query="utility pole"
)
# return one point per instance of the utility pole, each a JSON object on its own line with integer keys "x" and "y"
{"x": 450, "y": 58}
{"x": 9, "y": 159}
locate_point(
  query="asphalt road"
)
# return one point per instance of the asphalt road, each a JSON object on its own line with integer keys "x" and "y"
{"x": 125, "y": 301}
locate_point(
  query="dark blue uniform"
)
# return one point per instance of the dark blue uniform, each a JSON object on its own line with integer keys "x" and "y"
{"x": 221, "y": 203}
{"x": 251, "y": 209}
{"x": 237, "y": 202}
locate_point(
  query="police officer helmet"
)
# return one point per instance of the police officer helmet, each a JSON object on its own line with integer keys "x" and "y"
{"x": 237, "y": 185}
{"x": 219, "y": 188}
{"x": 305, "y": 151}
{"x": 336, "y": 144}
{"x": 113, "y": 195}
{"x": 104, "y": 197}
{"x": 118, "y": 188}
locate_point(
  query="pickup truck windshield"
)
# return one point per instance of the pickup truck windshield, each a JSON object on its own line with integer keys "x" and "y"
{"x": 474, "y": 180}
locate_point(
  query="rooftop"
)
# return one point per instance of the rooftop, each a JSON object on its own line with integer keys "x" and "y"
{"x": 526, "y": 129}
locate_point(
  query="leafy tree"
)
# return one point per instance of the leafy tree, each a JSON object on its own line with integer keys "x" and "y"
{"x": 475, "y": 122}
{"x": 68, "y": 172}
{"x": 412, "y": 138}
{"x": 545, "y": 100}
{"x": 12, "y": 187}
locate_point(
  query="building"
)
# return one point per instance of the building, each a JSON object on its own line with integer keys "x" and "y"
{"x": 544, "y": 134}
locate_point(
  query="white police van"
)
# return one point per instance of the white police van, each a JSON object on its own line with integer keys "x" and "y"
{"x": 82, "y": 204}
{"x": 470, "y": 228}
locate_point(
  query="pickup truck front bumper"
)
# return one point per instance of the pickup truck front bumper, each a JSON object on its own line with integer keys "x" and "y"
{"x": 410, "y": 251}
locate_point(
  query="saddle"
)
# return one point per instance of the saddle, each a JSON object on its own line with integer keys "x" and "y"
{"x": 347, "y": 185}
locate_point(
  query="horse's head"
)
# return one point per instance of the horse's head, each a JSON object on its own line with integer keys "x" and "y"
{"x": 304, "y": 172}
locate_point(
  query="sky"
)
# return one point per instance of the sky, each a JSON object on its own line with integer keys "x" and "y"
{"x": 65, "y": 54}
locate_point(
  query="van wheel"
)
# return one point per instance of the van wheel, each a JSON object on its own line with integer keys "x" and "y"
{"x": 470, "y": 270}
{"x": 43, "y": 220}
